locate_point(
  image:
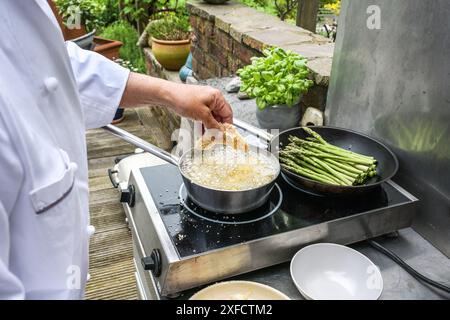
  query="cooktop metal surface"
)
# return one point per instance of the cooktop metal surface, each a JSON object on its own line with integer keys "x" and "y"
{"x": 194, "y": 230}
{"x": 179, "y": 246}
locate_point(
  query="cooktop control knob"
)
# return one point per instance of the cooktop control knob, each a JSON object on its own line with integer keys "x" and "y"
{"x": 153, "y": 263}
{"x": 128, "y": 195}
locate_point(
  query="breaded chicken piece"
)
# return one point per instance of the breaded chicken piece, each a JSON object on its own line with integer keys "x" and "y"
{"x": 229, "y": 136}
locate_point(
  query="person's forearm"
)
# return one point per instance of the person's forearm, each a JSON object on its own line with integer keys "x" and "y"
{"x": 201, "y": 103}
{"x": 145, "y": 90}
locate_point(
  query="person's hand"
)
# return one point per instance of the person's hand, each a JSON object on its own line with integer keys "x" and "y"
{"x": 202, "y": 103}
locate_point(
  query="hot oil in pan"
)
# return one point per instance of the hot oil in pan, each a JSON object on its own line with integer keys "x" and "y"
{"x": 224, "y": 168}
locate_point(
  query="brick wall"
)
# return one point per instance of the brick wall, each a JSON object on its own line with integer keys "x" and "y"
{"x": 227, "y": 36}
{"x": 215, "y": 52}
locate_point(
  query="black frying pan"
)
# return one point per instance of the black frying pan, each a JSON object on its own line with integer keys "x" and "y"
{"x": 344, "y": 138}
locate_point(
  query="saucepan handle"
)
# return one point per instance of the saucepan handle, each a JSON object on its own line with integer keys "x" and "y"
{"x": 140, "y": 143}
{"x": 253, "y": 130}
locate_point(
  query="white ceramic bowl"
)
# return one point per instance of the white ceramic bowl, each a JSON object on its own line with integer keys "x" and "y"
{"x": 327, "y": 271}
{"x": 239, "y": 290}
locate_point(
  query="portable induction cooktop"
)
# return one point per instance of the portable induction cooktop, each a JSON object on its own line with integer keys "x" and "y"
{"x": 178, "y": 245}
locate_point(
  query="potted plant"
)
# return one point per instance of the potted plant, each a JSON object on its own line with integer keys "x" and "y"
{"x": 169, "y": 38}
{"x": 121, "y": 32}
{"x": 277, "y": 81}
{"x": 79, "y": 17}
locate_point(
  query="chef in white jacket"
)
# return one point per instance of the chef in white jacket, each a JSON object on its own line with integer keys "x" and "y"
{"x": 50, "y": 92}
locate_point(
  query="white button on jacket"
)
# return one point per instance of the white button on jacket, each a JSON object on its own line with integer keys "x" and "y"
{"x": 50, "y": 92}
{"x": 90, "y": 230}
{"x": 51, "y": 84}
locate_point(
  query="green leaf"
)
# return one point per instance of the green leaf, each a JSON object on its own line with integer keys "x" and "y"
{"x": 260, "y": 103}
{"x": 256, "y": 91}
{"x": 267, "y": 75}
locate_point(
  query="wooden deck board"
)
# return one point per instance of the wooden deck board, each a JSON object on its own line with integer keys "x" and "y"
{"x": 111, "y": 252}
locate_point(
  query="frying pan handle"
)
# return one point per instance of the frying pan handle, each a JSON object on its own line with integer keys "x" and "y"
{"x": 140, "y": 143}
{"x": 253, "y": 130}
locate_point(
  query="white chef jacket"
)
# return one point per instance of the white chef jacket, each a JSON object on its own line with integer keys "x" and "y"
{"x": 50, "y": 92}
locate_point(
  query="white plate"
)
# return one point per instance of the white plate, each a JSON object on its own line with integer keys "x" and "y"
{"x": 328, "y": 271}
{"x": 239, "y": 290}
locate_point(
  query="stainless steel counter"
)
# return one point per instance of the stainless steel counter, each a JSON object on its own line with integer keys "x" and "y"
{"x": 398, "y": 284}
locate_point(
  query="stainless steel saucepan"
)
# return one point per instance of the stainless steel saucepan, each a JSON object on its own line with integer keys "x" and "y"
{"x": 219, "y": 201}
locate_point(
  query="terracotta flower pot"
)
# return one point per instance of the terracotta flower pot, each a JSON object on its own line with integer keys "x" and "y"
{"x": 70, "y": 34}
{"x": 108, "y": 48}
{"x": 171, "y": 54}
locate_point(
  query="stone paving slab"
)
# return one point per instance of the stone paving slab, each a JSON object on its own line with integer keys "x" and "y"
{"x": 275, "y": 37}
{"x": 312, "y": 51}
{"x": 209, "y": 11}
{"x": 321, "y": 69}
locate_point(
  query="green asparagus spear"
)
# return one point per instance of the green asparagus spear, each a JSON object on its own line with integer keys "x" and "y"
{"x": 315, "y": 135}
{"x": 309, "y": 152}
{"x": 328, "y": 149}
{"x": 341, "y": 177}
{"x": 344, "y": 166}
{"x": 291, "y": 166}
{"x": 316, "y": 159}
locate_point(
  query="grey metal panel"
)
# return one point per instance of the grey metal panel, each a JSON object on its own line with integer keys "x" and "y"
{"x": 394, "y": 84}
{"x": 397, "y": 283}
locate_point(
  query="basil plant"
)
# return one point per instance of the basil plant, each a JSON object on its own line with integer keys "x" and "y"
{"x": 278, "y": 78}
